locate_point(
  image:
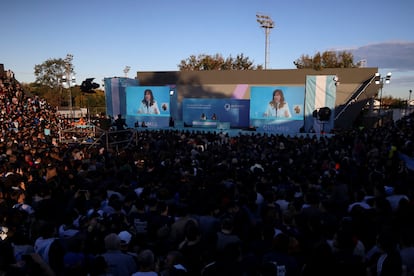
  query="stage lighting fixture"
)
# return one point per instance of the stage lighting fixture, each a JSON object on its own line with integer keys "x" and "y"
{"x": 381, "y": 80}
{"x": 377, "y": 78}
{"x": 336, "y": 80}
{"x": 88, "y": 86}
{"x": 324, "y": 114}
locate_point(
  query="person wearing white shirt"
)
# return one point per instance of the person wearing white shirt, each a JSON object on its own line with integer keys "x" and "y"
{"x": 148, "y": 104}
{"x": 278, "y": 107}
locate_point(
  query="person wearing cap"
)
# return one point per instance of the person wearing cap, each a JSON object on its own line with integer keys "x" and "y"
{"x": 119, "y": 263}
{"x": 126, "y": 238}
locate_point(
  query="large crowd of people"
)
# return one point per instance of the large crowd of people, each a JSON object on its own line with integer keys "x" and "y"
{"x": 190, "y": 202}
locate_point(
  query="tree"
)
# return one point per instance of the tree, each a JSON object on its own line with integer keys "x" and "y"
{"x": 327, "y": 59}
{"x": 204, "y": 62}
{"x": 391, "y": 102}
{"x": 305, "y": 61}
{"x": 51, "y": 72}
{"x": 317, "y": 61}
{"x": 44, "y": 92}
{"x": 50, "y": 76}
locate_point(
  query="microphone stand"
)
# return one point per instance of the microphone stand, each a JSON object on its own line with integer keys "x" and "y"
{"x": 277, "y": 107}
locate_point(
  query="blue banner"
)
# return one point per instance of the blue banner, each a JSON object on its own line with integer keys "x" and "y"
{"x": 207, "y": 111}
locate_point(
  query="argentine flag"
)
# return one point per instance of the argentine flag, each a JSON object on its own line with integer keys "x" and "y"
{"x": 320, "y": 91}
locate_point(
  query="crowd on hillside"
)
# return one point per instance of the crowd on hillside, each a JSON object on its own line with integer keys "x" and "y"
{"x": 187, "y": 202}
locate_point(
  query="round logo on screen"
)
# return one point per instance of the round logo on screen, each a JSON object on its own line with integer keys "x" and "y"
{"x": 227, "y": 107}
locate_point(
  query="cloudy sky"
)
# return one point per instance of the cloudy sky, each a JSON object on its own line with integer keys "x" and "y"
{"x": 105, "y": 36}
{"x": 394, "y": 57}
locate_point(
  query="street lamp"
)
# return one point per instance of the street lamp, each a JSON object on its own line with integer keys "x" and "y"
{"x": 267, "y": 23}
{"x": 380, "y": 80}
{"x": 409, "y": 101}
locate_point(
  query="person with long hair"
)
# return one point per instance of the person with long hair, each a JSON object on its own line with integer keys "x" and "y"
{"x": 278, "y": 107}
{"x": 148, "y": 104}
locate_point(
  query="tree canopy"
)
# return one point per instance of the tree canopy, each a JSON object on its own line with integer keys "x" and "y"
{"x": 52, "y": 71}
{"x": 204, "y": 62}
{"x": 50, "y": 77}
{"x": 327, "y": 59}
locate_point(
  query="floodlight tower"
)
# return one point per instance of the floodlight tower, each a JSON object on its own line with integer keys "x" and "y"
{"x": 266, "y": 23}
{"x": 381, "y": 80}
{"x": 126, "y": 70}
{"x": 69, "y": 79}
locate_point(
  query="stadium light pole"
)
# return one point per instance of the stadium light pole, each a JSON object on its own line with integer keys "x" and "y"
{"x": 381, "y": 80}
{"x": 266, "y": 23}
{"x": 409, "y": 101}
{"x": 69, "y": 80}
{"x": 126, "y": 70}
{"x": 72, "y": 81}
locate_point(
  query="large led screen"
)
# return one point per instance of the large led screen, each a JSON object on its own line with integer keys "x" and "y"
{"x": 208, "y": 111}
{"x": 148, "y": 105}
{"x": 277, "y": 108}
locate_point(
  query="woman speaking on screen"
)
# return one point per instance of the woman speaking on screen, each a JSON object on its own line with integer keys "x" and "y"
{"x": 278, "y": 107}
{"x": 148, "y": 104}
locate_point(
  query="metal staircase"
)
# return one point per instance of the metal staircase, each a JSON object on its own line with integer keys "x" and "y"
{"x": 346, "y": 114}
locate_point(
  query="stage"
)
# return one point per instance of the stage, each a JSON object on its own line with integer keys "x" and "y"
{"x": 232, "y": 132}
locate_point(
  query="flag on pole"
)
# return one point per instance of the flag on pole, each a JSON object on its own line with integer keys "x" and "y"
{"x": 320, "y": 92}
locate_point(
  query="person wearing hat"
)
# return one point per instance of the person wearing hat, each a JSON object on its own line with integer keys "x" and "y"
{"x": 118, "y": 262}
{"x": 126, "y": 238}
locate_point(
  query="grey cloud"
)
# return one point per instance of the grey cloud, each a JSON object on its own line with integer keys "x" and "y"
{"x": 402, "y": 80}
{"x": 398, "y": 56}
